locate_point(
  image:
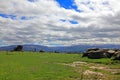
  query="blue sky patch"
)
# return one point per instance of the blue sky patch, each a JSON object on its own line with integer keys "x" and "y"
{"x": 24, "y": 18}
{"x": 14, "y": 17}
{"x": 8, "y": 16}
{"x": 32, "y": 0}
{"x": 73, "y": 22}
{"x": 68, "y": 4}
{"x": 3, "y": 15}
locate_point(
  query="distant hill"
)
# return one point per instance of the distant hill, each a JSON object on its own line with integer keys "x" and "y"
{"x": 26, "y": 48}
{"x": 82, "y": 47}
{"x": 74, "y": 48}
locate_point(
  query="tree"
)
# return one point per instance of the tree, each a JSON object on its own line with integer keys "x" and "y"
{"x": 18, "y": 48}
{"x": 41, "y": 51}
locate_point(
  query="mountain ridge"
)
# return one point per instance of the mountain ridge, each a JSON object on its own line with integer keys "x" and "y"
{"x": 73, "y": 48}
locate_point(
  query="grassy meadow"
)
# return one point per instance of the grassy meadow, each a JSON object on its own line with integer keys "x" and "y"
{"x": 55, "y": 66}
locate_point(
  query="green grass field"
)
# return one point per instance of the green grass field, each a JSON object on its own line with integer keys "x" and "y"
{"x": 50, "y": 66}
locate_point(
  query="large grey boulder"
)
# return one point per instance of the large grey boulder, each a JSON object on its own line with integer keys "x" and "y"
{"x": 116, "y": 56}
{"x": 92, "y": 49}
{"x": 97, "y": 53}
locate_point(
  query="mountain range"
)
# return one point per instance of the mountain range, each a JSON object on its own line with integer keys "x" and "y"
{"x": 73, "y": 48}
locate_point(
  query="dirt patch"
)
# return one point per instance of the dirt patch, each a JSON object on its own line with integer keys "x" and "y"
{"x": 112, "y": 70}
{"x": 89, "y": 75}
{"x": 89, "y": 72}
{"x": 96, "y": 67}
{"x": 94, "y": 71}
{"x": 75, "y": 64}
{"x": 79, "y": 64}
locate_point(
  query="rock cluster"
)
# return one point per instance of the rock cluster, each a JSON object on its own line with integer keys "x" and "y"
{"x": 96, "y": 53}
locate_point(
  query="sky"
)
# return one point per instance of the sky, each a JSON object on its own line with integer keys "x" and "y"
{"x": 59, "y": 22}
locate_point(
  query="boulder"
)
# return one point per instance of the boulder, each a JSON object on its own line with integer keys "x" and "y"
{"x": 92, "y": 49}
{"x": 97, "y": 53}
{"x": 116, "y": 56}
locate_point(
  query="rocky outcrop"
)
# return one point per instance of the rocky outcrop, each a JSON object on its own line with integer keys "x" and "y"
{"x": 117, "y": 55}
{"x": 97, "y": 53}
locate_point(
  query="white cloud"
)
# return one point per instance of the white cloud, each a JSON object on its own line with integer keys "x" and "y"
{"x": 98, "y": 23}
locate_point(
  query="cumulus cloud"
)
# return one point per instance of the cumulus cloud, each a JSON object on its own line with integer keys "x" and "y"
{"x": 40, "y": 22}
